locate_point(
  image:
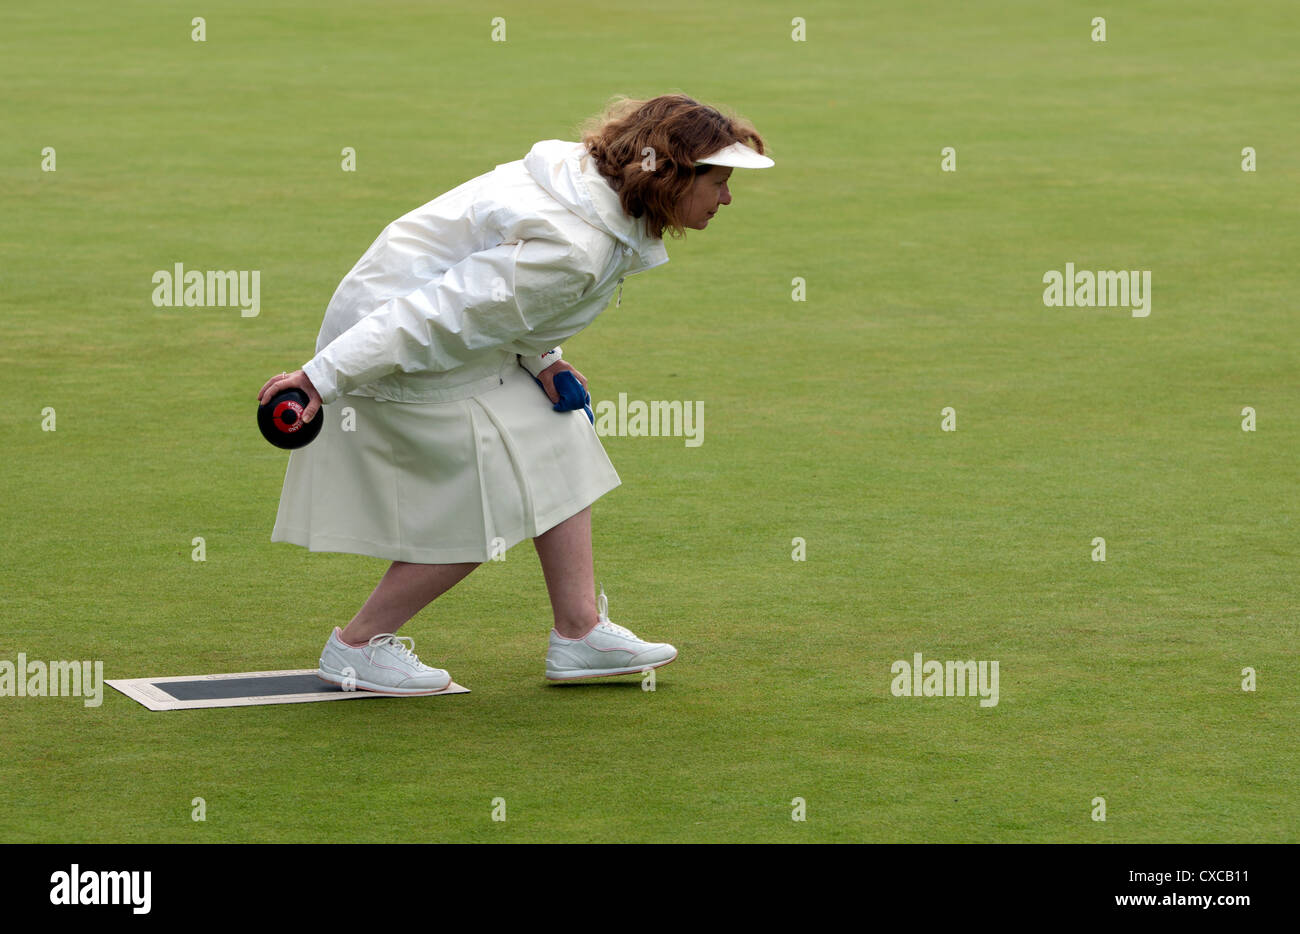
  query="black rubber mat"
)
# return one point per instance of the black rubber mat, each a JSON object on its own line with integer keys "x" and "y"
{"x": 225, "y": 688}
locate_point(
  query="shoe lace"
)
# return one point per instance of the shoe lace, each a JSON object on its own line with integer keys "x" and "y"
{"x": 620, "y": 630}
{"x": 402, "y": 645}
{"x": 602, "y": 617}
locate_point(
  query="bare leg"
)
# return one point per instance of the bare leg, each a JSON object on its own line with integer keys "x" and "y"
{"x": 565, "y": 553}
{"x": 405, "y": 590}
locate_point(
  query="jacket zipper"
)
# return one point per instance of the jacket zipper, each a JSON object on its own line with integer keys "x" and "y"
{"x": 619, "y": 300}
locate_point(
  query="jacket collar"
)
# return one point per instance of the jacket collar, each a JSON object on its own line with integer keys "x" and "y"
{"x": 569, "y": 174}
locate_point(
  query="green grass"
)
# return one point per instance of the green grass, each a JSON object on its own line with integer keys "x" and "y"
{"x": 822, "y": 421}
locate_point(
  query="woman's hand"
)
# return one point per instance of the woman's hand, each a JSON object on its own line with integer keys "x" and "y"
{"x": 297, "y": 379}
{"x": 547, "y": 376}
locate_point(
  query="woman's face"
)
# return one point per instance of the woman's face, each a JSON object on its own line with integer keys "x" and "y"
{"x": 707, "y": 193}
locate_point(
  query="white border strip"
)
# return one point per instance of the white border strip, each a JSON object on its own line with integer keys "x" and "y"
{"x": 143, "y": 690}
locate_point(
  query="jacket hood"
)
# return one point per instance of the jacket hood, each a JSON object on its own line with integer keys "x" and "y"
{"x": 570, "y": 176}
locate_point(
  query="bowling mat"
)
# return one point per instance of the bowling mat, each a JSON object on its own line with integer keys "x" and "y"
{"x": 247, "y": 689}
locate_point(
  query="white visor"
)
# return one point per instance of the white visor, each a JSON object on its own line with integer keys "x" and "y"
{"x": 739, "y": 156}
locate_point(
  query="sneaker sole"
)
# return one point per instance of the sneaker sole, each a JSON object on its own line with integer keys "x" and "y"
{"x": 377, "y": 689}
{"x": 584, "y": 673}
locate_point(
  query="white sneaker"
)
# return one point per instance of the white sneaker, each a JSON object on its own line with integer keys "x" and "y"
{"x": 385, "y": 665}
{"x": 609, "y": 649}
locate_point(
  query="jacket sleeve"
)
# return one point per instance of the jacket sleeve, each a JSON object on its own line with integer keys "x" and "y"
{"x": 488, "y": 299}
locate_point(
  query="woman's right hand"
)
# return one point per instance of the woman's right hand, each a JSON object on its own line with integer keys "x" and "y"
{"x": 297, "y": 379}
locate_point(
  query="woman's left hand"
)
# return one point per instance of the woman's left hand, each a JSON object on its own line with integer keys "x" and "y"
{"x": 547, "y": 376}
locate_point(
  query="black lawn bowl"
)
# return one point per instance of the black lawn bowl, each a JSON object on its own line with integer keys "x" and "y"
{"x": 281, "y": 422}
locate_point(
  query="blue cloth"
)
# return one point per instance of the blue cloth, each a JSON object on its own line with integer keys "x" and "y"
{"x": 572, "y": 394}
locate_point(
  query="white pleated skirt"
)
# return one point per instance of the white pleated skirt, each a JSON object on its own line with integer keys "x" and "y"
{"x": 442, "y": 482}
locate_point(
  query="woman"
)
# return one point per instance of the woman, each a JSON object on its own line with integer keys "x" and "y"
{"x": 437, "y": 447}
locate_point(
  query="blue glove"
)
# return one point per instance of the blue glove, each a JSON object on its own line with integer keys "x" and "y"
{"x": 572, "y": 394}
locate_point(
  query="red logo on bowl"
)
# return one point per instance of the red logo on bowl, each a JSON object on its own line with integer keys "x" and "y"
{"x": 278, "y": 416}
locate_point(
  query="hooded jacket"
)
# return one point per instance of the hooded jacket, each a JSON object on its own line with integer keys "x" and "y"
{"x": 512, "y": 262}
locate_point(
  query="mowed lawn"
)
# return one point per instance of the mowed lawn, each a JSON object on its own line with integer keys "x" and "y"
{"x": 921, "y": 290}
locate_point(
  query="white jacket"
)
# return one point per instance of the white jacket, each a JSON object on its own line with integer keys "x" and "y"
{"x": 511, "y": 262}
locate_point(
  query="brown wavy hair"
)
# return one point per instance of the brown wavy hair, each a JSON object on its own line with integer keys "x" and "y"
{"x": 677, "y": 130}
